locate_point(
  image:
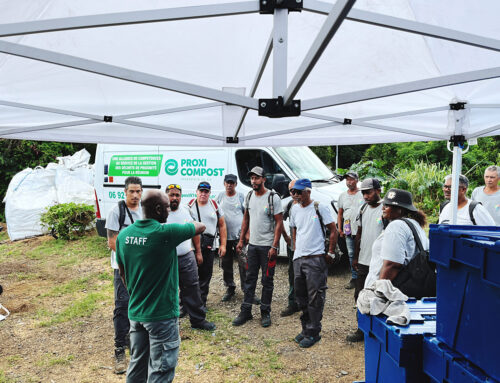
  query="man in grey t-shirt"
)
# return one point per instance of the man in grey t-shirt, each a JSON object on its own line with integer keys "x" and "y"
{"x": 123, "y": 214}
{"x": 264, "y": 217}
{"x": 349, "y": 203}
{"x": 489, "y": 194}
{"x": 369, "y": 225}
{"x": 232, "y": 203}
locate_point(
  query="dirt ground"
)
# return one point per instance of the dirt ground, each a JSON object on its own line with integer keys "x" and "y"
{"x": 82, "y": 350}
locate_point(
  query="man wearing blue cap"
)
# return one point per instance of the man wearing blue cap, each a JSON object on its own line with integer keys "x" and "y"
{"x": 310, "y": 260}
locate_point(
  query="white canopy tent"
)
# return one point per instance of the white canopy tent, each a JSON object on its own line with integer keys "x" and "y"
{"x": 339, "y": 73}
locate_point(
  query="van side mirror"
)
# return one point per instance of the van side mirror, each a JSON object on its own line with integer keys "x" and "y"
{"x": 280, "y": 185}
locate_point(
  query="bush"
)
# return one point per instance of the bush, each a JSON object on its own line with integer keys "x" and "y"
{"x": 68, "y": 220}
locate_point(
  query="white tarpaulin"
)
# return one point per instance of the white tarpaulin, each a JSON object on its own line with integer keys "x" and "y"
{"x": 158, "y": 69}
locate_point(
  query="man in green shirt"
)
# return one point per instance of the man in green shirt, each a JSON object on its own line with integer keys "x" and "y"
{"x": 147, "y": 260}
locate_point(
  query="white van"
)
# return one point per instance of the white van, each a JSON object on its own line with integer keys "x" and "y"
{"x": 159, "y": 166}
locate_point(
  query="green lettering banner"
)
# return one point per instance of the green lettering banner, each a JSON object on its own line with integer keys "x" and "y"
{"x": 148, "y": 165}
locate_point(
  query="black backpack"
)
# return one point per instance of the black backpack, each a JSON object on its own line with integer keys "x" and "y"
{"x": 418, "y": 278}
{"x": 472, "y": 206}
{"x": 122, "y": 207}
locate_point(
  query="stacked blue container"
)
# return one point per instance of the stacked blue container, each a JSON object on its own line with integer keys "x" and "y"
{"x": 468, "y": 305}
{"x": 394, "y": 353}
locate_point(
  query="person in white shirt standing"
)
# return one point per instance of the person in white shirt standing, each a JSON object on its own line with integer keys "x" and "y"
{"x": 468, "y": 213}
{"x": 189, "y": 285}
{"x": 349, "y": 203}
{"x": 310, "y": 259}
{"x": 489, "y": 194}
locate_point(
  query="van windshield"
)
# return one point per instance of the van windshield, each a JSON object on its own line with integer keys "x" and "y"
{"x": 304, "y": 163}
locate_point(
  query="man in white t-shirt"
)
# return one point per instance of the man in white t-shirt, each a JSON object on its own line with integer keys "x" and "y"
{"x": 466, "y": 215}
{"x": 189, "y": 285}
{"x": 123, "y": 214}
{"x": 370, "y": 225}
{"x": 349, "y": 203}
{"x": 307, "y": 221}
{"x": 489, "y": 194}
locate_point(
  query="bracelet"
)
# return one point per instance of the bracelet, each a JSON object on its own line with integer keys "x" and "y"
{"x": 275, "y": 248}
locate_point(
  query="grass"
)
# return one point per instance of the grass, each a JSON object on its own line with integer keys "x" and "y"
{"x": 48, "y": 360}
{"x": 4, "y": 378}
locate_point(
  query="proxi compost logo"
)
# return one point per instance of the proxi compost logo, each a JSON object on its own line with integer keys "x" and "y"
{"x": 171, "y": 167}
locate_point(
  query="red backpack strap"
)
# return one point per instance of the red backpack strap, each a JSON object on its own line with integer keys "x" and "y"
{"x": 191, "y": 203}
{"x": 216, "y": 207}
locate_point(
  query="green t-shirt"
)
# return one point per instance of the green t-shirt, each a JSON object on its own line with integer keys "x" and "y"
{"x": 146, "y": 250}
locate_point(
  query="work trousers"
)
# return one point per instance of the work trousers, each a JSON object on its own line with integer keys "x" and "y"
{"x": 350, "y": 243}
{"x": 154, "y": 350}
{"x": 291, "y": 278}
{"x": 359, "y": 283}
{"x": 310, "y": 291}
{"x": 257, "y": 259}
{"x": 205, "y": 271}
{"x": 189, "y": 287}
{"x": 120, "y": 313}
{"x": 227, "y": 266}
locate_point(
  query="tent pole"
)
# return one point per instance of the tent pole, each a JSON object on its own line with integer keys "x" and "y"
{"x": 336, "y": 157}
{"x": 280, "y": 50}
{"x": 456, "y": 170}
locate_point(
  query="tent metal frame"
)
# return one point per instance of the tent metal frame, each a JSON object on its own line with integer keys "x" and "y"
{"x": 277, "y": 44}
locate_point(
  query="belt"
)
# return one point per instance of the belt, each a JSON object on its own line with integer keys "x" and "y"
{"x": 313, "y": 256}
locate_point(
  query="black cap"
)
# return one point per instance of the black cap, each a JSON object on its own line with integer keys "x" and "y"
{"x": 204, "y": 185}
{"x": 352, "y": 175}
{"x": 370, "y": 183}
{"x": 401, "y": 198}
{"x": 257, "y": 170}
{"x": 230, "y": 178}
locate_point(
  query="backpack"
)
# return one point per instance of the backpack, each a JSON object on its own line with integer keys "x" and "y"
{"x": 286, "y": 213}
{"x": 270, "y": 197}
{"x": 326, "y": 234}
{"x": 472, "y": 206}
{"x": 361, "y": 211}
{"x": 122, "y": 208}
{"x": 418, "y": 278}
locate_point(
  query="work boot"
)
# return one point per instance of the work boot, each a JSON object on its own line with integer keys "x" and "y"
{"x": 290, "y": 310}
{"x": 309, "y": 341}
{"x": 298, "y": 338}
{"x": 356, "y": 336}
{"x": 120, "y": 360}
{"x": 350, "y": 285}
{"x": 265, "y": 319}
{"x": 228, "y": 295}
{"x": 205, "y": 325}
{"x": 242, "y": 318}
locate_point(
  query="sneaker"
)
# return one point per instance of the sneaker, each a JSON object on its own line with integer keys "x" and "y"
{"x": 182, "y": 312}
{"x": 309, "y": 341}
{"x": 356, "y": 336}
{"x": 120, "y": 361}
{"x": 205, "y": 325}
{"x": 256, "y": 301}
{"x": 265, "y": 319}
{"x": 350, "y": 285}
{"x": 228, "y": 295}
{"x": 290, "y": 310}
{"x": 242, "y": 318}
{"x": 298, "y": 338}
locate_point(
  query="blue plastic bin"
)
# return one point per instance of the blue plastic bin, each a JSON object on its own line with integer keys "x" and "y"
{"x": 444, "y": 365}
{"x": 468, "y": 292}
{"x": 394, "y": 353}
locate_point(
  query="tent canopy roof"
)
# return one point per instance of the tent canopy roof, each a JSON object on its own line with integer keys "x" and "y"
{"x": 182, "y": 76}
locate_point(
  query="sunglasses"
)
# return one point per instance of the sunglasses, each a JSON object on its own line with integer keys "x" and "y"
{"x": 295, "y": 191}
{"x": 174, "y": 186}
{"x": 204, "y": 186}
{"x": 448, "y": 187}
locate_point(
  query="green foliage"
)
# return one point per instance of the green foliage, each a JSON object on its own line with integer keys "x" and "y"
{"x": 347, "y": 154}
{"x": 425, "y": 182}
{"x": 369, "y": 169}
{"x": 68, "y": 220}
{"x": 16, "y": 155}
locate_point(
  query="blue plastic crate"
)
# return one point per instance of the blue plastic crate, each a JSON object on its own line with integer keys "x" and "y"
{"x": 468, "y": 291}
{"x": 394, "y": 353}
{"x": 444, "y": 365}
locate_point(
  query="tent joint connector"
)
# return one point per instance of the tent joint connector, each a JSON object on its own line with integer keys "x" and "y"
{"x": 458, "y": 140}
{"x": 347, "y": 121}
{"x": 232, "y": 140}
{"x": 458, "y": 106}
{"x": 275, "y": 108}
{"x": 267, "y": 7}
{"x": 108, "y": 119}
